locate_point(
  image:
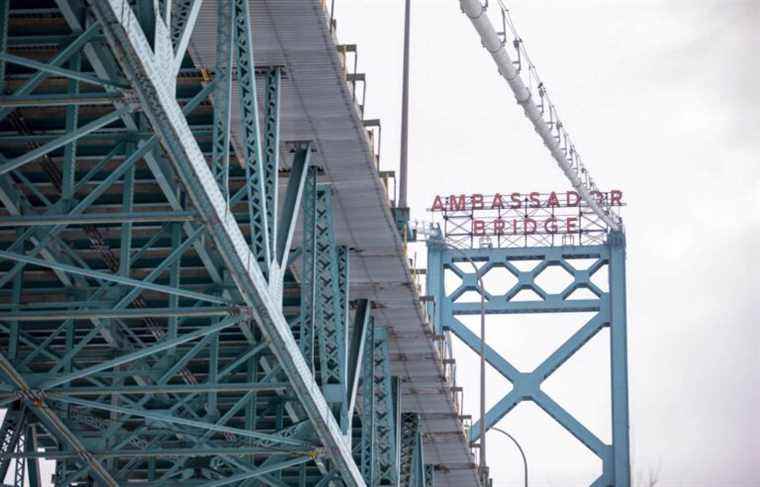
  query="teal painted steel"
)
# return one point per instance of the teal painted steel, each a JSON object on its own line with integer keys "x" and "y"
{"x": 251, "y": 133}
{"x": 608, "y": 308}
{"x": 293, "y": 196}
{"x": 331, "y": 308}
{"x": 429, "y": 475}
{"x": 379, "y": 457}
{"x": 308, "y": 315}
{"x": 148, "y": 296}
{"x": 271, "y": 153}
{"x": 413, "y": 470}
{"x": 225, "y": 39}
{"x": 356, "y": 352}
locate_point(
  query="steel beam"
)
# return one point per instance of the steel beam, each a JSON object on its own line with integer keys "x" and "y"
{"x": 56, "y": 100}
{"x": 143, "y": 352}
{"x": 9, "y": 165}
{"x": 73, "y": 47}
{"x": 98, "y": 218}
{"x": 171, "y": 419}
{"x": 87, "y": 314}
{"x": 104, "y": 276}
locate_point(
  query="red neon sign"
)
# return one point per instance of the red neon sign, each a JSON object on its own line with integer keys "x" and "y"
{"x": 523, "y": 214}
{"x": 515, "y": 201}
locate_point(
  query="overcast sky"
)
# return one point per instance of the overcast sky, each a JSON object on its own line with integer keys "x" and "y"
{"x": 661, "y": 98}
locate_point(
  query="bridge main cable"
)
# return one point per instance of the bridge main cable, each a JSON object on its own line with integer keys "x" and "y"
{"x": 543, "y": 114}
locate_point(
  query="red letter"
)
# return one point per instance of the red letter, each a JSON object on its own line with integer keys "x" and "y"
{"x": 599, "y": 197}
{"x": 497, "y": 204}
{"x": 498, "y": 226}
{"x": 571, "y": 222}
{"x": 456, "y": 203}
{"x": 516, "y": 201}
{"x": 576, "y": 196}
{"x": 550, "y": 228}
{"x": 532, "y": 226}
{"x": 478, "y": 227}
{"x": 553, "y": 201}
{"x": 534, "y": 202}
{"x": 437, "y": 204}
{"x": 615, "y": 197}
{"x": 476, "y": 201}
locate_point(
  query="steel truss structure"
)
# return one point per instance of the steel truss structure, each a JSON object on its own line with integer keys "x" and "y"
{"x": 157, "y": 325}
{"x": 609, "y": 308}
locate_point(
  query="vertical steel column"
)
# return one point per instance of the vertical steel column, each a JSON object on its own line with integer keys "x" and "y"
{"x": 272, "y": 153}
{"x": 251, "y": 132}
{"x": 72, "y": 122}
{"x": 18, "y": 281}
{"x": 4, "y": 11}
{"x": 367, "y": 457}
{"x": 396, "y": 400}
{"x": 343, "y": 305}
{"x": 619, "y": 359}
{"x": 434, "y": 283}
{"x": 355, "y": 360}
{"x": 331, "y": 308}
{"x": 413, "y": 470}
{"x": 127, "y": 205}
{"x": 429, "y": 475}
{"x": 174, "y": 278}
{"x": 225, "y": 39}
{"x": 342, "y": 338}
{"x": 33, "y": 463}
{"x": 379, "y": 454}
{"x": 409, "y": 449}
{"x": 19, "y": 463}
{"x": 291, "y": 205}
{"x": 309, "y": 269}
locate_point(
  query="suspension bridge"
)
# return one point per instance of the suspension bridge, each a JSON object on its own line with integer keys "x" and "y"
{"x": 204, "y": 276}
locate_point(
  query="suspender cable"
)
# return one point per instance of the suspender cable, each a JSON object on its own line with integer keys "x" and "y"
{"x": 539, "y": 109}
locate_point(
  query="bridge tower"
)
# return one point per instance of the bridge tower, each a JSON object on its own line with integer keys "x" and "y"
{"x": 609, "y": 308}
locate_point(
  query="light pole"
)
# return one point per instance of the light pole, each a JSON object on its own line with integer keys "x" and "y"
{"x": 405, "y": 109}
{"x": 439, "y": 239}
{"x": 522, "y": 453}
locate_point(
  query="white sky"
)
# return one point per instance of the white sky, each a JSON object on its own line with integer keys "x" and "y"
{"x": 661, "y": 98}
